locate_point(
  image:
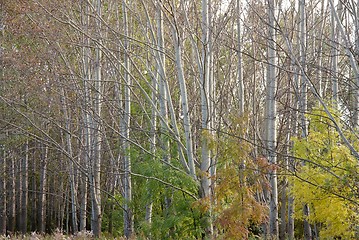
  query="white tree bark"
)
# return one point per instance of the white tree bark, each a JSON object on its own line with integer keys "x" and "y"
{"x": 271, "y": 120}
{"x": 83, "y": 183}
{"x": 206, "y": 111}
{"x": 73, "y": 190}
{"x": 320, "y": 49}
{"x": 42, "y": 196}
{"x": 355, "y": 84}
{"x": 184, "y": 100}
{"x": 161, "y": 79}
{"x": 239, "y": 63}
{"x": 87, "y": 119}
{"x": 96, "y": 167}
{"x": 125, "y": 129}
{"x": 313, "y": 89}
{"x": 335, "y": 53}
{"x": 354, "y": 66}
{"x": 303, "y": 96}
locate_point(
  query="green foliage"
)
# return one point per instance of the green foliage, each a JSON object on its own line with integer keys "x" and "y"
{"x": 175, "y": 214}
{"x": 327, "y": 180}
{"x": 239, "y": 178}
{"x": 116, "y": 213}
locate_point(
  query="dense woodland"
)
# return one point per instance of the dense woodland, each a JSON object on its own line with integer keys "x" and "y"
{"x": 178, "y": 119}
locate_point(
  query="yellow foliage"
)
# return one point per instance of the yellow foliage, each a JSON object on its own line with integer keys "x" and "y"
{"x": 326, "y": 180}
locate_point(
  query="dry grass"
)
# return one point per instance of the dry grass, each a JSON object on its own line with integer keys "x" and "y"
{"x": 57, "y": 235}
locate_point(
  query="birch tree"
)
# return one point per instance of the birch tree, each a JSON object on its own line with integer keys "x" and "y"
{"x": 271, "y": 119}
{"x": 303, "y": 95}
{"x": 356, "y": 83}
{"x": 335, "y": 53}
{"x": 41, "y": 212}
{"x": 125, "y": 129}
{"x": 85, "y": 111}
{"x": 206, "y": 111}
{"x": 73, "y": 189}
{"x": 98, "y": 99}
{"x": 184, "y": 99}
{"x": 352, "y": 60}
{"x": 239, "y": 64}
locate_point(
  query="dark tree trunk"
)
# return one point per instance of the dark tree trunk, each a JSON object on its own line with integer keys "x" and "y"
{"x": 12, "y": 194}
{"x": 41, "y": 209}
{"x": 24, "y": 189}
{"x": 3, "y": 177}
{"x": 18, "y": 188}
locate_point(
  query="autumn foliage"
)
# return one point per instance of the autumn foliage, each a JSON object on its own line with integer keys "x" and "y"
{"x": 240, "y": 181}
{"x": 326, "y": 179}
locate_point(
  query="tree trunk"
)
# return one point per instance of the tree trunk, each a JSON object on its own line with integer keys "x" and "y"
{"x": 161, "y": 80}
{"x": 284, "y": 197}
{"x": 95, "y": 176}
{"x": 335, "y": 53}
{"x": 33, "y": 193}
{"x": 3, "y": 175}
{"x": 73, "y": 190}
{"x": 125, "y": 130}
{"x": 205, "y": 110}
{"x": 320, "y": 51}
{"x": 186, "y": 163}
{"x": 290, "y": 229}
{"x": 83, "y": 203}
{"x": 283, "y": 211}
{"x": 87, "y": 122}
{"x": 18, "y": 187}
{"x": 239, "y": 63}
{"x": 87, "y": 117}
{"x": 12, "y": 194}
{"x": 303, "y": 99}
{"x": 294, "y": 126}
{"x": 354, "y": 65}
{"x": 24, "y": 189}
{"x": 41, "y": 212}
{"x": 212, "y": 88}
{"x": 163, "y": 96}
{"x": 355, "y": 83}
{"x": 183, "y": 91}
{"x": 271, "y": 121}
{"x": 3, "y": 203}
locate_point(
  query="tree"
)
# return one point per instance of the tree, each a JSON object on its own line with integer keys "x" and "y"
{"x": 206, "y": 110}
{"x": 125, "y": 130}
{"x": 3, "y": 192}
{"x": 271, "y": 120}
{"x": 239, "y": 56}
{"x": 303, "y": 101}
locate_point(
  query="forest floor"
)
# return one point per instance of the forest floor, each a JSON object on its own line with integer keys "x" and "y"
{"x": 57, "y": 235}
